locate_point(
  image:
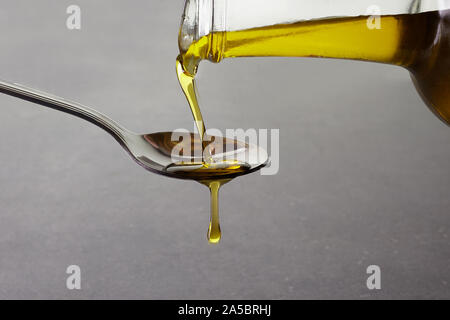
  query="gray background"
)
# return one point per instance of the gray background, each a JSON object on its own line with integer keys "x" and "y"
{"x": 364, "y": 175}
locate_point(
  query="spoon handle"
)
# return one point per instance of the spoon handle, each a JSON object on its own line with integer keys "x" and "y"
{"x": 60, "y": 104}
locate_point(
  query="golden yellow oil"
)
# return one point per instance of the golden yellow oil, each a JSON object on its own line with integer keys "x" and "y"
{"x": 187, "y": 83}
{"x": 418, "y": 42}
{"x": 214, "y": 233}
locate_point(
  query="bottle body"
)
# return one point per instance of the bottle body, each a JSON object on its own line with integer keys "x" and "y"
{"x": 409, "y": 33}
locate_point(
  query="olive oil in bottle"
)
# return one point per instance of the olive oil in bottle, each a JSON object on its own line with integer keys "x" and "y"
{"x": 419, "y": 42}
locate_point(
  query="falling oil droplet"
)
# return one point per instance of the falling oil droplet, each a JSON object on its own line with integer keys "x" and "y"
{"x": 214, "y": 234}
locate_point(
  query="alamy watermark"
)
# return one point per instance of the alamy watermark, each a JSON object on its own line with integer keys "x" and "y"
{"x": 73, "y": 281}
{"x": 374, "y": 19}
{"x": 374, "y": 280}
{"x": 73, "y": 21}
{"x": 251, "y": 146}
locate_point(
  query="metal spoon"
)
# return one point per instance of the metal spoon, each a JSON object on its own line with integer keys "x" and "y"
{"x": 151, "y": 151}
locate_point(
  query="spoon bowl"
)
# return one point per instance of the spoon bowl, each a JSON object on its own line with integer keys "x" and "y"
{"x": 222, "y": 158}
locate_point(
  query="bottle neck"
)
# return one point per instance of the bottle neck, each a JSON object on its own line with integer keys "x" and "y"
{"x": 202, "y": 24}
{"x": 202, "y": 17}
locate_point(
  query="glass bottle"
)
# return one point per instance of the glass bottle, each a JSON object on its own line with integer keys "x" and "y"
{"x": 414, "y": 34}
